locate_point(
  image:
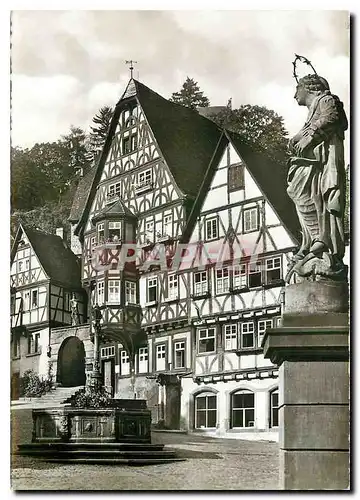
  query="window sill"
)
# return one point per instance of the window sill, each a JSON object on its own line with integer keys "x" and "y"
{"x": 239, "y": 290}
{"x": 248, "y": 350}
{"x": 16, "y": 358}
{"x": 152, "y": 303}
{"x": 205, "y": 353}
{"x": 143, "y": 189}
{"x": 199, "y": 296}
{"x": 171, "y": 300}
{"x": 274, "y": 283}
{"x": 33, "y": 354}
{"x": 250, "y": 230}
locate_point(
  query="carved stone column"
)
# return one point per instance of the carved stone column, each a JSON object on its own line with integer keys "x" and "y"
{"x": 312, "y": 351}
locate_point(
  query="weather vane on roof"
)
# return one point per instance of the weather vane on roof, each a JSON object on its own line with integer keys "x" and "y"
{"x": 131, "y": 67}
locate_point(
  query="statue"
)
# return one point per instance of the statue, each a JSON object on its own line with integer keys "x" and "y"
{"x": 74, "y": 311}
{"x": 316, "y": 181}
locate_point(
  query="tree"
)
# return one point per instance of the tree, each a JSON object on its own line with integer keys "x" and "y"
{"x": 261, "y": 127}
{"x": 190, "y": 95}
{"x": 100, "y": 129}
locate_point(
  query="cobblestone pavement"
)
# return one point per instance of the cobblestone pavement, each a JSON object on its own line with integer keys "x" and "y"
{"x": 211, "y": 464}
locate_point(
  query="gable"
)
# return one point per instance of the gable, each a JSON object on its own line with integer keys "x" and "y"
{"x": 184, "y": 140}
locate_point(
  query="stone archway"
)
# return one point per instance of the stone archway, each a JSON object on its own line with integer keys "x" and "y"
{"x": 71, "y": 363}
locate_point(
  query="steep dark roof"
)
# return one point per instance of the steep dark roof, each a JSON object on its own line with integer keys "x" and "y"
{"x": 116, "y": 209}
{"x": 58, "y": 261}
{"x": 186, "y": 139}
{"x": 271, "y": 180}
{"x": 81, "y": 195}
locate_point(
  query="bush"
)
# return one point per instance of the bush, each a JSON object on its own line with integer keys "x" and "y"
{"x": 31, "y": 385}
{"x": 91, "y": 398}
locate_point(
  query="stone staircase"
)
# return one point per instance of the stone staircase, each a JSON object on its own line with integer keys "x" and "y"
{"x": 100, "y": 453}
{"x": 56, "y": 397}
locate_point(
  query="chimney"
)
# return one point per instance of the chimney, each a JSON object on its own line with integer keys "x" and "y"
{"x": 60, "y": 231}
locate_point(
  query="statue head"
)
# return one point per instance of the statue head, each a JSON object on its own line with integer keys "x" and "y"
{"x": 310, "y": 84}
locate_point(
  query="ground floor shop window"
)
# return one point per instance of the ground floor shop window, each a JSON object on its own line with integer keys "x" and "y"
{"x": 274, "y": 408}
{"x": 205, "y": 410}
{"x": 242, "y": 409}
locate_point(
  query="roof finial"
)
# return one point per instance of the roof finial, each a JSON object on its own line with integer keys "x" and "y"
{"x": 131, "y": 62}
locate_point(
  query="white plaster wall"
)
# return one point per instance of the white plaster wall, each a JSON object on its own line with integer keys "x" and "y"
{"x": 261, "y": 389}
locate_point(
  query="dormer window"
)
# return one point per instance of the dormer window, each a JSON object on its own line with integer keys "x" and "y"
{"x": 101, "y": 233}
{"x": 114, "y": 231}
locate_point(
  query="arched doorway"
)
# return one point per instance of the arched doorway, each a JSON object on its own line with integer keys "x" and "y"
{"x": 71, "y": 363}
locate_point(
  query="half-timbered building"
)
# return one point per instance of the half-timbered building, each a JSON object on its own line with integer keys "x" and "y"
{"x": 213, "y": 229}
{"x": 44, "y": 279}
{"x": 183, "y": 233}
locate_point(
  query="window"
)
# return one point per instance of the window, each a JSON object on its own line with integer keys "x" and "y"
{"x": 16, "y": 348}
{"x": 263, "y": 324}
{"x": 273, "y": 269}
{"x": 222, "y": 280}
{"x": 27, "y": 264}
{"x": 114, "y": 231}
{"x": 34, "y": 299}
{"x": 151, "y": 289}
{"x": 92, "y": 243}
{"x": 114, "y": 190}
{"x": 100, "y": 293}
{"x": 124, "y": 363}
{"x": 160, "y": 357}
{"x": 206, "y": 340}
{"x": 129, "y": 143}
{"x": 179, "y": 351}
{"x": 149, "y": 229}
{"x": 145, "y": 178}
{"x": 167, "y": 225}
{"x": 143, "y": 360}
{"x": 200, "y": 283}
{"x": 173, "y": 287}
{"x": 129, "y": 232}
{"x": 239, "y": 277}
{"x": 107, "y": 352}
{"x": 251, "y": 219}
{"x": 114, "y": 291}
{"x": 211, "y": 229}
{"x": 100, "y": 233}
{"x": 33, "y": 343}
{"x": 247, "y": 335}
{"x": 236, "y": 178}
{"x": 242, "y": 409}
{"x": 274, "y": 408}
{"x": 254, "y": 274}
{"x": 130, "y": 292}
{"x": 26, "y": 301}
{"x": 12, "y": 304}
{"x": 205, "y": 410}
{"x": 20, "y": 266}
{"x": 231, "y": 332}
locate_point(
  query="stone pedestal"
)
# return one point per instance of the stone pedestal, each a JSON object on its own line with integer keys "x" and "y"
{"x": 312, "y": 351}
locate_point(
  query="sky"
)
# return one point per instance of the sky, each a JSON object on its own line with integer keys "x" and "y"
{"x": 65, "y": 65}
